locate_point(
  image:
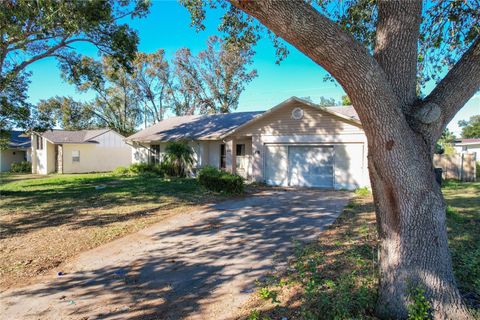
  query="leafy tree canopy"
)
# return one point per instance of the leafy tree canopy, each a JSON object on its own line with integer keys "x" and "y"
{"x": 35, "y": 30}
{"x": 447, "y": 28}
{"x": 470, "y": 128}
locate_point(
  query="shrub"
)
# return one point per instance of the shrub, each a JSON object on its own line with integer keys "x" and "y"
{"x": 120, "y": 171}
{"x": 478, "y": 169}
{"x": 220, "y": 181}
{"x": 179, "y": 156}
{"x": 362, "y": 192}
{"x": 140, "y": 168}
{"x": 161, "y": 169}
{"x": 21, "y": 167}
{"x": 419, "y": 307}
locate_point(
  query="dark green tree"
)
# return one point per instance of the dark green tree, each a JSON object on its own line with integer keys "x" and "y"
{"x": 470, "y": 128}
{"x": 68, "y": 113}
{"x": 35, "y": 30}
{"x": 117, "y": 104}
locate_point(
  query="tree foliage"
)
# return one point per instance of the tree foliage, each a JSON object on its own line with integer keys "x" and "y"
{"x": 117, "y": 104}
{"x": 445, "y": 143}
{"x": 470, "y": 128}
{"x": 346, "y": 101}
{"x": 68, "y": 113}
{"x": 35, "y": 30}
{"x": 152, "y": 80}
{"x": 215, "y": 78}
{"x": 447, "y": 28}
{"x": 210, "y": 82}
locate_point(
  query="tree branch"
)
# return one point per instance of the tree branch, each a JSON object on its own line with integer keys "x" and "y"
{"x": 396, "y": 45}
{"x": 458, "y": 86}
{"x": 323, "y": 41}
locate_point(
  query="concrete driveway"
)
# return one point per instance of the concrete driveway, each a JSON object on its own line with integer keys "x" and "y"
{"x": 200, "y": 265}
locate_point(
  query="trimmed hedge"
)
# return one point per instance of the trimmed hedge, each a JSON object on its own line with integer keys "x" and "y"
{"x": 21, "y": 167}
{"x": 220, "y": 181}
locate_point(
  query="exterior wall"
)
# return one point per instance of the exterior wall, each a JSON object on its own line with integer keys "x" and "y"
{"x": 140, "y": 153}
{"x": 313, "y": 122}
{"x": 9, "y": 156}
{"x": 43, "y": 160}
{"x": 214, "y": 153}
{"x": 110, "y": 152}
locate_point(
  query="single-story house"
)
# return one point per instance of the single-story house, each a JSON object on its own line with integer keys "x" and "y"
{"x": 468, "y": 146}
{"x": 81, "y": 151}
{"x": 18, "y": 150}
{"x": 296, "y": 143}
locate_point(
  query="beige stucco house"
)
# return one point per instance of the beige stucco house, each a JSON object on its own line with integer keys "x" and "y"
{"x": 63, "y": 151}
{"x": 295, "y": 143}
{"x": 18, "y": 150}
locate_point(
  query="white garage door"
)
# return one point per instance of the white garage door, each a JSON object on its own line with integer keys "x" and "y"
{"x": 305, "y": 166}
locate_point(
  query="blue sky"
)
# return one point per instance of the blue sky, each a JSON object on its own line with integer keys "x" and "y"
{"x": 168, "y": 27}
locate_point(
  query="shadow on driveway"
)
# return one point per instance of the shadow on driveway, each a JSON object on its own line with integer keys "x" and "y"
{"x": 199, "y": 265}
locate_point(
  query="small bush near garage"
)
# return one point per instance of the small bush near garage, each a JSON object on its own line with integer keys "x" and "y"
{"x": 220, "y": 181}
{"x": 21, "y": 167}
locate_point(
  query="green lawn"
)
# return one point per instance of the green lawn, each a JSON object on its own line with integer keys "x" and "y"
{"x": 46, "y": 220}
{"x": 336, "y": 277}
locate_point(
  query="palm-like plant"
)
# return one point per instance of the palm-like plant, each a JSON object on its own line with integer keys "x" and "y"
{"x": 180, "y": 156}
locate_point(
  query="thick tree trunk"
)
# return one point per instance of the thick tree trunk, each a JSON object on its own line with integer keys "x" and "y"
{"x": 411, "y": 223}
{"x": 401, "y": 129}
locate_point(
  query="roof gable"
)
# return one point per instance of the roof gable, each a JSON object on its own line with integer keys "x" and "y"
{"x": 345, "y": 114}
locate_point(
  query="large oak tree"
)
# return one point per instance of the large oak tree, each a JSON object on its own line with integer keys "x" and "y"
{"x": 382, "y": 53}
{"x": 34, "y": 30}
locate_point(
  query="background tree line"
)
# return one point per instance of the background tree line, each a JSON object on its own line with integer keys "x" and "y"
{"x": 209, "y": 82}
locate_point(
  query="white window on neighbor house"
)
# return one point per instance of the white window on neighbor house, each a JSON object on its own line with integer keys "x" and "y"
{"x": 76, "y": 156}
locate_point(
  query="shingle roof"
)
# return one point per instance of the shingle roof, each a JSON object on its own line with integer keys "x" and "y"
{"x": 467, "y": 141}
{"x": 19, "y": 140}
{"x": 194, "y": 127}
{"x": 348, "y": 111}
{"x": 66, "y": 136}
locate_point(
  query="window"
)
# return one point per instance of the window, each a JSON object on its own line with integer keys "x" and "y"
{"x": 76, "y": 156}
{"x": 155, "y": 154}
{"x": 39, "y": 143}
{"x": 240, "y": 150}
{"x": 222, "y": 156}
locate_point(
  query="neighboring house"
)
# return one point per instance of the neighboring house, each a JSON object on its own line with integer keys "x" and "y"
{"x": 468, "y": 146}
{"x": 18, "y": 150}
{"x": 80, "y": 151}
{"x": 296, "y": 143}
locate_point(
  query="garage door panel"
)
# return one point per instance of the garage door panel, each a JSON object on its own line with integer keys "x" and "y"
{"x": 311, "y": 166}
{"x": 276, "y": 165}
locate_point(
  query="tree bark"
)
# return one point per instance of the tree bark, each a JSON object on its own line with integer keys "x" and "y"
{"x": 411, "y": 224}
{"x": 409, "y": 204}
